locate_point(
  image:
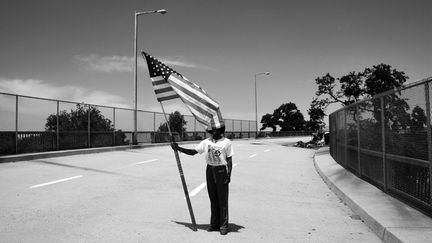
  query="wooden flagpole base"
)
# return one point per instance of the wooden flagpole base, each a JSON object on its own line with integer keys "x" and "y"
{"x": 183, "y": 180}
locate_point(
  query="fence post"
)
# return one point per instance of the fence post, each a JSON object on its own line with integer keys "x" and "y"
{"x": 345, "y": 139}
{"x": 233, "y": 125}
{"x": 429, "y": 138}
{"x": 114, "y": 131}
{"x": 358, "y": 139}
{"x": 249, "y": 131}
{"x": 16, "y": 124}
{"x": 154, "y": 128}
{"x": 385, "y": 174}
{"x": 154, "y": 121}
{"x": 58, "y": 127}
{"x": 88, "y": 126}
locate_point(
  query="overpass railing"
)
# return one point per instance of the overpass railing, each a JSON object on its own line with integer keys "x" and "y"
{"x": 23, "y": 126}
{"x": 24, "y": 120}
{"x": 387, "y": 141}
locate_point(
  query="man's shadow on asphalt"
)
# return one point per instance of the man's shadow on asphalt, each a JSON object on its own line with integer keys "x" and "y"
{"x": 232, "y": 228}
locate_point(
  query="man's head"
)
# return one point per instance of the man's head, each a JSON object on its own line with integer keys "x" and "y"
{"x": 217, "y": 133}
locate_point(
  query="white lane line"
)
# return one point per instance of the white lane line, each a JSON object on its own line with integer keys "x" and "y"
{"x": 195, "y": 191}
{"x": 253, "y": 155}
{"x": 267, "y": 150}
{"x": 57, "y": 181}
{"x": 146, "y": 161}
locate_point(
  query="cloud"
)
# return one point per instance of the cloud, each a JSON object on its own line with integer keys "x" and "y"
{"x": 115, "y": 63}
{"x": 107, "y": 64}
{"x": 39, "y": 88}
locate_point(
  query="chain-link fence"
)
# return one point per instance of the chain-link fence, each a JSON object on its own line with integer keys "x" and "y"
{"x": 31, "y": 124}
{"x": 387, "y": 141}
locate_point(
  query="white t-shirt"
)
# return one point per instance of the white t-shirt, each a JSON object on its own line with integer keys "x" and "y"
{"x": 216, "y": 151}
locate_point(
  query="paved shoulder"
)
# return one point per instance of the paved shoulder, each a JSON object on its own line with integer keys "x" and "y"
{"x": 277, "y": 196}
{"x": 390, "y": 219}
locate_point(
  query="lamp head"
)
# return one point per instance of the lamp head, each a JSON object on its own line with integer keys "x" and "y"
{"x": 161, "y": 11}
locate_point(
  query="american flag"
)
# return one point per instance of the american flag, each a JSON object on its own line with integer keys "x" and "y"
{"x": 169, "y": 84}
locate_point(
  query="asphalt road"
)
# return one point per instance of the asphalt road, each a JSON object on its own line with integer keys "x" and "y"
{"x": 136, "y": 196}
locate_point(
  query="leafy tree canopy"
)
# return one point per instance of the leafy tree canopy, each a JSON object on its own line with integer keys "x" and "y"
{"x": 357, "y": 85}
{"x": 176, "y": 121}
{"x": 287, "y": 117}
{"x": 316, "y": 114}
{"x": 268, "y": 120}
{"x": 77, "y": 120}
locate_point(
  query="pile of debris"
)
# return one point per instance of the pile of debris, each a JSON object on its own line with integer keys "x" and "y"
{"x": 319, "y": 139}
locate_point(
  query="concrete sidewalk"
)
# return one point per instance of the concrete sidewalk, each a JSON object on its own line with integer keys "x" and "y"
{"x": 389, "y": 218}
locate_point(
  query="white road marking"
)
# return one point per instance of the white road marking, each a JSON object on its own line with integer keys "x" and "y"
{"x": 267, "y": 150}
{"x": 253, "y": 155}
{"x": 195, "y": 191}
{"x": 57, "y": 181}
{"x": 145, "y": 162}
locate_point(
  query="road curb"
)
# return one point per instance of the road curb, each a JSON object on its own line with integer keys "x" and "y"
{"x": 383, "y": 232}
{"x": 60, "y": 153}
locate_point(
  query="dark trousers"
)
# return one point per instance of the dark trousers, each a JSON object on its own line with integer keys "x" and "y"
{"x": 217, "y": 187}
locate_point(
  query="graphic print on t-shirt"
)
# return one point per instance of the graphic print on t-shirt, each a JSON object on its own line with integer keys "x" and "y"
{"x": 213, "y": 154}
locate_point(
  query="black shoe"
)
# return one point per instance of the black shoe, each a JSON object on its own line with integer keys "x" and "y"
{"x": 212, "y": 228}
{"x": 223, "y": 231}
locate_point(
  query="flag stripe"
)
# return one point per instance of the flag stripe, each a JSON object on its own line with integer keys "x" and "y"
{"x": 172, "y": 92}
{"x": 158, "y": 78}
{"x": 200, "y": 118}
{"x": 205, "y": 110}
{"x": 184, "y": 84}
{"x": 165, "y": 98}
{"x": 163, "y": 90}
{"x": 218, "y": 120}
{"x": 159, "y": 82}
{"x": 193, "y": 96}
{"x": 162, "y": 86}
{"x": 199, "y": 110}
{"x": 194, "y": 99}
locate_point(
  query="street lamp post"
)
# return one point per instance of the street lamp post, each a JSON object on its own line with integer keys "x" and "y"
{"x": 138, "y": 13}
{"x": 256, "y": 105}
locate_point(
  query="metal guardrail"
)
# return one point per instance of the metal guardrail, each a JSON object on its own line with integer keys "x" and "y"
{"x": 23, "y": 120}
{"x": 387, "y": 141}
{"x": 23, "y": 126}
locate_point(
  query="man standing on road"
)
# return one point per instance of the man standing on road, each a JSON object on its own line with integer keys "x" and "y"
{"x": 218, "y": 151}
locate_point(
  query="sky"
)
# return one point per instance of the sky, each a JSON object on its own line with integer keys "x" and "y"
{"x": 82, "y": 50}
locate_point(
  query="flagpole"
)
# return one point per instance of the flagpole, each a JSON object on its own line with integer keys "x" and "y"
{"x": 181, "y": 173}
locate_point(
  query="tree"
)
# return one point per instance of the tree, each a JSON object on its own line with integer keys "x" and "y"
{"x": 102, "y": 129}
{"x": 176, "y": 121}
{"x": 268, "y": 120}
{"x": 418, "y": 119}
{"x": 77, "y": 120}
{"x": 356, "y": 86}
{"x": 381, "y": 78}
{"x": 287, "y": 117}
{"x": 316, "y": 114}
